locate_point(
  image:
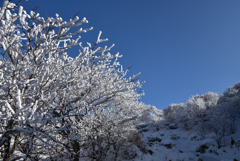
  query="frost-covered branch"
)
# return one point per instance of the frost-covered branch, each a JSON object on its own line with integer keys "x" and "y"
{"x": 55, "y": 104}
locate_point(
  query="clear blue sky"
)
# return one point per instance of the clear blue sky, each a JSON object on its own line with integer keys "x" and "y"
{"x": 181, "y": 47}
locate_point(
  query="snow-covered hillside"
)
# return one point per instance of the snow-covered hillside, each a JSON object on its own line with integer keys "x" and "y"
{"x": 169, "y": 144}
{"x": 204, "y": 128}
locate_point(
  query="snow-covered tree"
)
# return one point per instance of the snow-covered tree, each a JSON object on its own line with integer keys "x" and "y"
{"x": 230, "y": 99}
{"x": 193, "y": 111}
{"x": 172, "y": 112}
{"x": 198, "y": 104}
{"x": 221, "y": 123}
{"x": 150, "y": 115}
{"x": 53, "y": 105}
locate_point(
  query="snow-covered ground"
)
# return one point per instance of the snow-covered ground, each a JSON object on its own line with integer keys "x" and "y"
{"x": 165, "y": 144}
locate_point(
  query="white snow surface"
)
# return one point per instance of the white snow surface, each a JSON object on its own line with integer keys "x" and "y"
{"x": 184, "y": 145}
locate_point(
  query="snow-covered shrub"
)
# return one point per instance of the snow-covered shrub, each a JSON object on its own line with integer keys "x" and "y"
{"x": 56, "y": 106}
{"x": 229, "y": 101}
{"x": 231, "y": 94}
{"x": 221, "y": 123}
{"x": 197, "y": 111}
{"x": 172, "y": 112}
{"x": 135, "y": 138}
{"x": 178, "y": 114}
{"x": 193, "y": 112}
{"x": 133, "y": 146}
{"x": 210, "y": 99}
{"x": 222, "y": 120}
{"x": 198, "y": 104}
{"x": 150, "y": 114}
{"x": 129, "y": 151}
{"x": 151, "y": 117}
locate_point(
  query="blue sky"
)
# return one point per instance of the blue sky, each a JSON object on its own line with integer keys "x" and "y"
{"x": 181, "y": 47}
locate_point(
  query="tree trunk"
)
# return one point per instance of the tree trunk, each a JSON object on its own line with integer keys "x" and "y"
{"x": 76, "y": 149}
